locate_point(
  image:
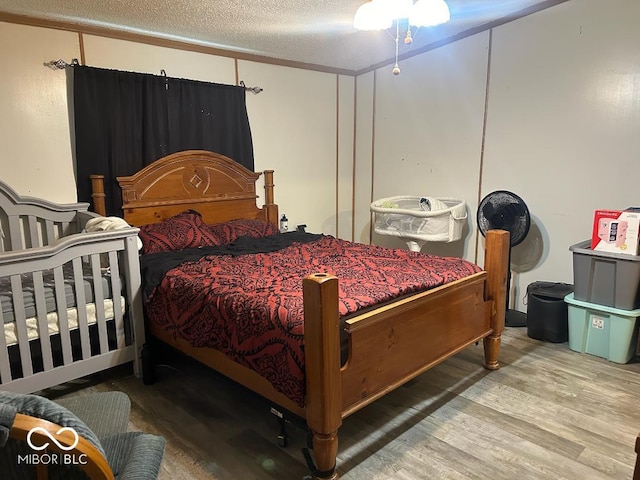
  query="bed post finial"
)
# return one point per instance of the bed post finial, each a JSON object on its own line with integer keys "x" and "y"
{"x": 98, "y": 195}
{"x": 269, "y": 204}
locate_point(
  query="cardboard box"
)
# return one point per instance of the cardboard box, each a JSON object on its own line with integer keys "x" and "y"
{"x": 616, "y": 231}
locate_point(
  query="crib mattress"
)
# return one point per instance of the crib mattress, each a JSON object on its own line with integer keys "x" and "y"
{"x": 11, "y": 336}
{"x": 29, "y": 297}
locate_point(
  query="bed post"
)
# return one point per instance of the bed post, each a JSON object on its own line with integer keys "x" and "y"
{"x": 322, "y": 368}
{"x": 269, "y": 204}
{"x": 496, "y": 263}
{"x": 97, "y": 194}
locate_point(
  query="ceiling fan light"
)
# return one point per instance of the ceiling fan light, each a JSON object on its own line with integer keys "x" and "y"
{"x": 427, "y": 13}
{"x": 370, "y": 17}
{"x": 394, "y": 8}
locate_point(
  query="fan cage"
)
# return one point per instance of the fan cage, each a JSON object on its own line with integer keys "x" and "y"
{"x": 401, "y": 216}
{"x": 500, "y": 198}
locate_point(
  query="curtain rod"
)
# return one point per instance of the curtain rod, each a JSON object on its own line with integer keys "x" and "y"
{"x": 61, "y": 65}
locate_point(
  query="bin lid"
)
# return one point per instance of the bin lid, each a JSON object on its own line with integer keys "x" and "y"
{"x": 555, "y": 290}
{"x": 602, "y": 308}
{"x": 584, "y": 248}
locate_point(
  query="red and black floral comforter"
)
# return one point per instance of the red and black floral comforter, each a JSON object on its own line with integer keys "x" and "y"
{"x": 250, "y": 306}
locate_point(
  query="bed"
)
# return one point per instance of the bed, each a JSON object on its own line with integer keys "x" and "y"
{"x": 70, "y": 299}
{"x": 349, "y": 361}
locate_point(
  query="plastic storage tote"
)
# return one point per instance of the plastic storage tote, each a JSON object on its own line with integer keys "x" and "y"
{"x": 604, "y": 278}
{"x": 607, "y": 332}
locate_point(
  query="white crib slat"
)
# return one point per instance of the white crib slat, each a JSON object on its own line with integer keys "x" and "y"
{"x": 98, "y": 297}
{"x": 116, "y": 288}
{"x": 81, "y": 302}
{"x": 21, "y": 325}
{"x": 33, "y": 231}
{"x": 63, "y": 319}
{"x": 41, "y": 315}
{"x": 50, "y": 230}
{"x": 15, "y": 233}
{"x": 5, "y": 367}
{"x": 65, "y": 228}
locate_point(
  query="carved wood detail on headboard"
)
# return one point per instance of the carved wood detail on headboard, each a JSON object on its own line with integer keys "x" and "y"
{"x": 213, "y": 184}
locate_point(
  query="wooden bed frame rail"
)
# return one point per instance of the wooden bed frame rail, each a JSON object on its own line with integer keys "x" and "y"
{"x": 388, "y": 346}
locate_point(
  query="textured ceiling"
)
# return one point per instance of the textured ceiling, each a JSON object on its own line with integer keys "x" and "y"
{"x": 317, "y": 32}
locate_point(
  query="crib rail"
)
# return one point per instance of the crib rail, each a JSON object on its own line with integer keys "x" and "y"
{"x": 70, "y": 299}
{"x": 28, "y": 222}
{"x": 85, "y": 336}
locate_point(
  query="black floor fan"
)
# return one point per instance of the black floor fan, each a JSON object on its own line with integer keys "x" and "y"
{"x": 506, "y": 211}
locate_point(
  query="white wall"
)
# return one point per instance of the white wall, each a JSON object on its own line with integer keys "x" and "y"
{"x": 562, "y": 127}
{"x": 363, "y": 160}
{"x": 302, "y": 122}
{"x": 345, "y": 166}
{"x": 428, "y": 131}
{"x": 293, "y": 123}
{"x": 35, "y": 145}
{"x": 139, "y": 57}
{"x": 563, "y": 123}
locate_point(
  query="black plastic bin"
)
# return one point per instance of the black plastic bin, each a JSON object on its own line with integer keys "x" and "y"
{"x": 547, "y": 312}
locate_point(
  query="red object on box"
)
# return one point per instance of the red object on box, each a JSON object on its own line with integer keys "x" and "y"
{"x": 602, "y": 220}
{"x": 616, "y": 231}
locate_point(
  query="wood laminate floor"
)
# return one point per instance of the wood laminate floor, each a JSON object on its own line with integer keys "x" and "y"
{"x": 548, "y": 413}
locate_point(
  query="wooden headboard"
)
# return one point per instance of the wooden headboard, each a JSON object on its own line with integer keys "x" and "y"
{"x": 210, "y": 183}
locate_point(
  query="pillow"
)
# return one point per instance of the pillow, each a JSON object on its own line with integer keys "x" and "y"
{"x": 184, "y": 230}
{"x": 227, "y": 232}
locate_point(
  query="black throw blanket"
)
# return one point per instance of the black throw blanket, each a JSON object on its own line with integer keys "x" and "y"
{"x": 154, "y": 266}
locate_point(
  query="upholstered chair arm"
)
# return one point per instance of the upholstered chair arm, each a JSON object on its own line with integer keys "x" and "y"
{"x": 91, "y": 460}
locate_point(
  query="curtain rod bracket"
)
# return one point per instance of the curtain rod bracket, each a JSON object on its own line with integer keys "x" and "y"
{"x": 163, "y": 73}
{"x": 61, "y": 64}
{"x": 254, "y": 90}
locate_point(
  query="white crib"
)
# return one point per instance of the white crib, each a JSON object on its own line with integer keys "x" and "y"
{"x": 70, "y": 299}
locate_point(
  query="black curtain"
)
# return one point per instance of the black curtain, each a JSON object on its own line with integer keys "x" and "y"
{"x": 125, "y": 120}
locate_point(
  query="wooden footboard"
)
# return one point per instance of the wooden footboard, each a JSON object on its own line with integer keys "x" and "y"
{"x": 394, "y": 343}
